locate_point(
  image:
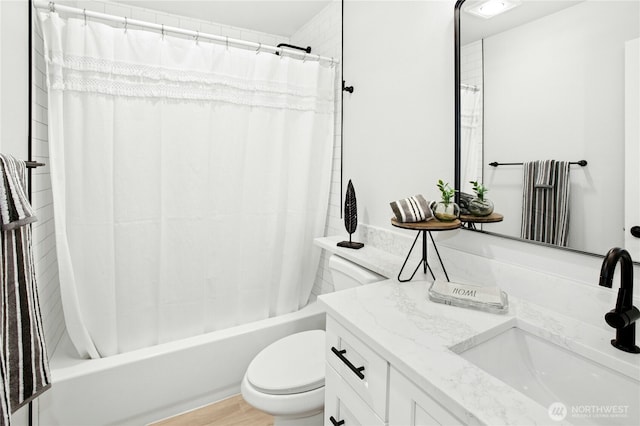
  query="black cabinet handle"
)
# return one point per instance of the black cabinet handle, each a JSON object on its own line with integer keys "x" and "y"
{"x": 635, "y": 231}
{"x": 335, "y": 422}
{"x": 340, "y": 354}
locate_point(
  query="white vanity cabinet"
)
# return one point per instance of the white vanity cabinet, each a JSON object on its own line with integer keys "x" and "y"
{"x": 363, "y": 388}
{"x": 343, "y": 406}
{"x": 411, "y": 406}
{"x": 356, "y": 379}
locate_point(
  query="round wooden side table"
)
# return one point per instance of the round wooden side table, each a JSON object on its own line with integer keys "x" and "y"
{"x": 470, "y": 220}
{"x": 423, "y": 228}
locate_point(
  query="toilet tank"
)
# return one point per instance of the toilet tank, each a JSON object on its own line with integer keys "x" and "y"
{"x": 347, "y": 274}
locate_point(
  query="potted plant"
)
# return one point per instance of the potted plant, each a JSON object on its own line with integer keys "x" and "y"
{"x": 480, "y": 205}
{"x": 446, "y": 210}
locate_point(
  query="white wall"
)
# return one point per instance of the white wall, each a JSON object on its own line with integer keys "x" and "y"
{"x": 554, "y": 88}
{"x": 398, "y": 123}
{"x": 398, "y": 56}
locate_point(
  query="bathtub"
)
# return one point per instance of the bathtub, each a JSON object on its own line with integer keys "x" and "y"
{"x": 153, "y": 383}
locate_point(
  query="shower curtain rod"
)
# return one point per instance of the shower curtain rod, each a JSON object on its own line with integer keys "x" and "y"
{"x": 197, "y": 35}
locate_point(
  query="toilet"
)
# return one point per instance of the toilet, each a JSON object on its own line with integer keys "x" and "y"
{"x": 286, "y": 379}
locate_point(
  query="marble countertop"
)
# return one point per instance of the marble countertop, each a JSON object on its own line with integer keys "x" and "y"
{"x": 416, "y": 336}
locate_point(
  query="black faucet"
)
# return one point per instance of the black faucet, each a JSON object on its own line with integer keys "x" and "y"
{"x": 623, "y": 317}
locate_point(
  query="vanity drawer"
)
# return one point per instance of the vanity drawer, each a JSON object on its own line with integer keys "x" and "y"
{"x": 364, "y": 370}
{"x": 411, "y": 406}
{"x": 342, "y": 404}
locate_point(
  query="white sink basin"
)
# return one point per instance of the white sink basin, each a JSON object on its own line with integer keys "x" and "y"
{"x": 547, "y": 373}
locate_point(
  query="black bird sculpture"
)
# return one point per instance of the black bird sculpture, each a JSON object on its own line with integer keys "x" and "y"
{"x": 350, "y": 217}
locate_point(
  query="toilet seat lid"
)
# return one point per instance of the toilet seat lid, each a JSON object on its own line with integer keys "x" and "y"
{"x": 293, "y": 364}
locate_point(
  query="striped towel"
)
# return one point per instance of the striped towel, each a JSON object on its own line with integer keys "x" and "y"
{"x": 545, "y": 174}
{"x": 23, "y": 355}
{"x": 5, "y": 412}
{"x": 545, "y": 202}
{"x": 15, "y": 210}
{"x": 412, "y": 209}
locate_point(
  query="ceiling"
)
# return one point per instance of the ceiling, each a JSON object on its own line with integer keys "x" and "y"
{"x": 282, "y": 17}
{"x": 476, "y": 28}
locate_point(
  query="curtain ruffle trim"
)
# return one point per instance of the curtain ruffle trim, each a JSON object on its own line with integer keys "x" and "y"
{"x": 102, "y": 76}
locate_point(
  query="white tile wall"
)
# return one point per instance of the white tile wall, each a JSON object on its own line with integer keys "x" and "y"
{"x": 43, "y": 231}
{"x": 324, "y": 34}
{"x": 44, "y": 252}
{"x": 150, "y": 15}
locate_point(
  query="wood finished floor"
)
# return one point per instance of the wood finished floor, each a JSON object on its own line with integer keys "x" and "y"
{"x": 232, "y": 411}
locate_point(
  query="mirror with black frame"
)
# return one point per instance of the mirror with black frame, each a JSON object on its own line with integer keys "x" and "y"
{"x": 547, "y": 119}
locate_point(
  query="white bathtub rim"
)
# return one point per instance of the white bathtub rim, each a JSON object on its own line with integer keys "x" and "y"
{"x": 65, "y": 364}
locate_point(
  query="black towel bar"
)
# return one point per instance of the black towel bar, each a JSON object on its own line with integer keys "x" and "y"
{"x": 496, "y": 164}
{"x": 34, "y": 164}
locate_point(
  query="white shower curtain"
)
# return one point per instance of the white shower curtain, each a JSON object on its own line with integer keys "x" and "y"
{"x": 471, "y": 137}
{"x": 189, "y": 180}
